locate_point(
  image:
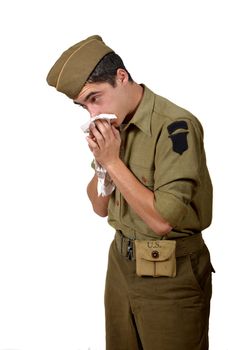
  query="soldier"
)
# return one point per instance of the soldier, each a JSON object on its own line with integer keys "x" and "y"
{"x": 158, "y": 284}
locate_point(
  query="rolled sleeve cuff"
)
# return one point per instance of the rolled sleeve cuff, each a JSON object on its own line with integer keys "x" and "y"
{"x": 171, "y": 208}
{"x": 93, "y": 164}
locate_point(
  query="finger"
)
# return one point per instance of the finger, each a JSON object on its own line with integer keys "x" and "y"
{"x": 92, "y": 144}
{"x": 92, "y": 137}
{"x": 104, "y": 122}
{"x": 103, "y": 126}
{"x": 105, "y": 129}
{"x": 90, "y": 148}
{"x": 116, "y": 133}
{"x": 98, "y": 136}
{"x": 94, "y": 130}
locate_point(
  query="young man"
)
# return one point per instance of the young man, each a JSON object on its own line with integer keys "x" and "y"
{"x": 158, "y": 285}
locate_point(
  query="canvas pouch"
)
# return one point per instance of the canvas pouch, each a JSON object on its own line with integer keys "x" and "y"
{"x": 155, "y": 258}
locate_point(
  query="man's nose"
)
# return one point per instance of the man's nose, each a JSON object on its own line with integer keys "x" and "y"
{"x": 93, "y": 112}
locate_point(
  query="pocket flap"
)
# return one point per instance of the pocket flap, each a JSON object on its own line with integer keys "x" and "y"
{"x": 155, "y": 250}
{"x": 144, "y": 175}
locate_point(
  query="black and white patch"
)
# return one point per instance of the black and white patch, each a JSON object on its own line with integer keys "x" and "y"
{"x": 179, "y": 139}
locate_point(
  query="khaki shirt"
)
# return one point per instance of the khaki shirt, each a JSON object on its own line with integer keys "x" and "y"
{"x": 162, "y": 145}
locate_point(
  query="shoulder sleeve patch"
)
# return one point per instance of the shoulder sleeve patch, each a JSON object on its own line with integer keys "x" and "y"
{"x": 180, "y": 143}
{"x": 180, "y": 124}
{"x": 179, "y": 139}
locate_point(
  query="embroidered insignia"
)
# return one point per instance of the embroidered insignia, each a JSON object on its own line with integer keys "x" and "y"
{"x": 180, "y": 143}
{"x": 180, "y": 124}
{"x": 179, "y": 140}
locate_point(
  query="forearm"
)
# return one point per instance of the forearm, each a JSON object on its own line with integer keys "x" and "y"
{"x": 105, "y": 147}
{"x": 99, "y": 203}
{"x": 138, "y": 197}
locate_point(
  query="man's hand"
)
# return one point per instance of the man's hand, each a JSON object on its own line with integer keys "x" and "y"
{"x": 104, "y": 141}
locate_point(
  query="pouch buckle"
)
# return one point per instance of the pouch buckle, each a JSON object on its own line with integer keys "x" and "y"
{"x": 130, "y": 250}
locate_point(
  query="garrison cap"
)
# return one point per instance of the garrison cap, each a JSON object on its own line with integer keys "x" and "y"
{"x": 70, "y": 72}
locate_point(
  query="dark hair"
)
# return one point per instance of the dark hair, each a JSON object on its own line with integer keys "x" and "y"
{"x": 105, "y": 70}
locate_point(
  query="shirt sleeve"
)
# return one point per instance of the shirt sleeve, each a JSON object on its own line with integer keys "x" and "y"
{"x": 177, "y": 168}
{"x": 93, "y": 164}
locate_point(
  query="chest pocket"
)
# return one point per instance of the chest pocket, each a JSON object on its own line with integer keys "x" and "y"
{"x": 144, "y": 175}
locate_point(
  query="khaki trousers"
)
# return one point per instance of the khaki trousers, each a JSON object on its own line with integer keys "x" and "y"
{"x": 160, "y": 313}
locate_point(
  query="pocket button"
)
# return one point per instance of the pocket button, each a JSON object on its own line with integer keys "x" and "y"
{"x": 155, "y": 254}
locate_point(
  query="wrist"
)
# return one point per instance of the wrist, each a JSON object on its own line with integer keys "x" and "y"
{"x": 111, "y": 166}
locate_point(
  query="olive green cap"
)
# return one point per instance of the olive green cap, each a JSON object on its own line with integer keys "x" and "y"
{"x": 70, "y": 72}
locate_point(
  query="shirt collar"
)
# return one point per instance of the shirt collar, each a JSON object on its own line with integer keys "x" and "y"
{"x": 142, "y": 117}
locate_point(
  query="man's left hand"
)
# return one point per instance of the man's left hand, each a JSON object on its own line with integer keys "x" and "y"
{"x": 104, "y": 142}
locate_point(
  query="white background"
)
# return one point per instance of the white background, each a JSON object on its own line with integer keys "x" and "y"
{"x": 53, "y": 249}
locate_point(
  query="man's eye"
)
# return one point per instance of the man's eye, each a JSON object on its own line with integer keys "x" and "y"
{"x": 83, "y": 106}
{"x": 94, "y": 99}
{"x": 80, "y": 105}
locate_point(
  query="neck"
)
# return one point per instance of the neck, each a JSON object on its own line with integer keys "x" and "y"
{"x": 136, "y": 94}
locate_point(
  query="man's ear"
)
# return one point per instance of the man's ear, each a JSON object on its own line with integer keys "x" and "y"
{"x": 121, "y": 75}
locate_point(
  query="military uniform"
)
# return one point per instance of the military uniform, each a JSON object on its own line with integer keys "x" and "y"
{"x": 163, "y": 147}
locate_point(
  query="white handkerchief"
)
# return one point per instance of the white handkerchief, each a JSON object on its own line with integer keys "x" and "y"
{"x": 85, "y": 127}
{"x": 105, "y": 185}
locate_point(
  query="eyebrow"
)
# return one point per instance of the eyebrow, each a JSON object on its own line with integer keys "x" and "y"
{"x": 87, "y": 97}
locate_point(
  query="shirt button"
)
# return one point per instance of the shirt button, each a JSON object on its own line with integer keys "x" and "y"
{"x": 155, "y": 254}
{"x": 117, "y": 203}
